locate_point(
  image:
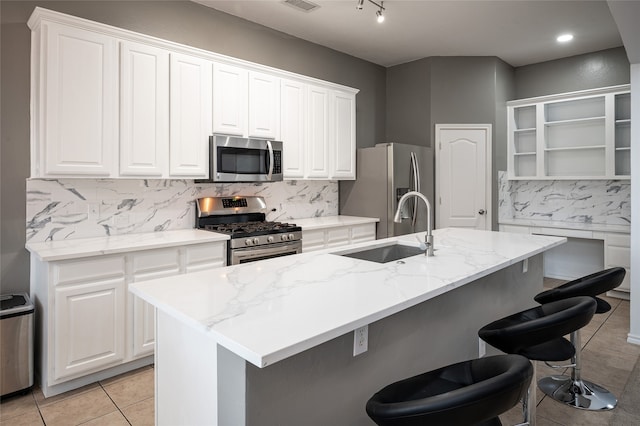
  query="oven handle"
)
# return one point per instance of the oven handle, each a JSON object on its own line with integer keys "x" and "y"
{"x": 270, "y": 148}
{"x": 247, "y": 253}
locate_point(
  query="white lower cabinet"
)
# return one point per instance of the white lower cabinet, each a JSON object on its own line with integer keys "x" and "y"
{"x": 331, "y": 237}
{"x": 88, "y": 321}
{"x": 617, "y": 252}
{"x": 88, "y": 316}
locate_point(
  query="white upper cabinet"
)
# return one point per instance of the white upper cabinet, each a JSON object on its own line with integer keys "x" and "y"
{"x": 148, "y": 110}
{"x": 77, "y": 101}
{"x": 292, "y": 131}
{"x": 264, "y": 102}
{"x": 317, "y": 132}
{"x": 343, "y": 153}
{"x": 144, "y": 110}
{"x": 581, "y": 135}
{"x": 190, "y": 116}
{"x": 229, "y": 100}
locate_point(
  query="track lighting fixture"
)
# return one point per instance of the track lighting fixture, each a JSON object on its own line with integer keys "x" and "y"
{"x": 379, "y": 13}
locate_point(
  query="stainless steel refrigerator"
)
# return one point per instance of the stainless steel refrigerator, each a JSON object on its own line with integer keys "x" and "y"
{"x": 383, "y": 174}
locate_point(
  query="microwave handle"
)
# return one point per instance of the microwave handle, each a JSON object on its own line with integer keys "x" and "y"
{"x": 270, "y": 148}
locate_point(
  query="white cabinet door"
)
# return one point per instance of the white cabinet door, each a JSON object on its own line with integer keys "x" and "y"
{"x": 79, "y": 91}
{"x": 88, "y": 325}
{"x": 343, "y": 144}
{"x": 317, "y": 132}
{"x": 292, "y": 125}
{"x": 144, "y": 110}
{"x": 264, "y": 106}
{"x": 190, "y": 116}
{"x": 147, "y": 265}
{"x": 229, "y": 100}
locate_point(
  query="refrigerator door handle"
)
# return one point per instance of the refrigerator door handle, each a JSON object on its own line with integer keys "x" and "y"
{"x": 415, "y": 172}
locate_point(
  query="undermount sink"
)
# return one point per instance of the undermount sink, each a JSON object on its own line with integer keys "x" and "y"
{"x": 384, "y": 254}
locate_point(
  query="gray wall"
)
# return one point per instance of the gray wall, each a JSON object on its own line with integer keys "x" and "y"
{"x": 441, "y": 90}
{"x": 598, "y": 69}
{"x": 180, "y": 21}
{"x": 409, "y": 102}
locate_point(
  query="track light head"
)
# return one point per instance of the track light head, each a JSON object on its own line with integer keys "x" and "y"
{"x": 379, "y": 13}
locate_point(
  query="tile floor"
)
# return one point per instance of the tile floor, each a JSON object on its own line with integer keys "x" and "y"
{"x": 128, "y": 399}
{"x": 123, "y": 400}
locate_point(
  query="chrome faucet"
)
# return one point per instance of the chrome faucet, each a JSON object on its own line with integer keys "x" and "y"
{"x": 428, "y": 238}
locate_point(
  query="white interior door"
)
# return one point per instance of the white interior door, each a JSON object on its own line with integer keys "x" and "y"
{"x": 463, "y": 176}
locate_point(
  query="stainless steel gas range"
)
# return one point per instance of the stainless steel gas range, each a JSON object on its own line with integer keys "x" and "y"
{"x": 244, "y": 220}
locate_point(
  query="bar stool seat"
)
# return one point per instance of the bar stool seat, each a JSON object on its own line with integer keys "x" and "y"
{"x": 573, "y": 390}
{"x": 537, "y": 333}
{"x": 472, "y": 392}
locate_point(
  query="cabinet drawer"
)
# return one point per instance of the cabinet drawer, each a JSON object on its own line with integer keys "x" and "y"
{"x": 620, "y": 240}
{"x": 155, "y": 263}
{"x": 337, "y": 237}
{"x": 312, "y": 240}
{"x": 362, "y": 233}
{"x": 204, "y": 256}
{"x": 619, "y": 256}
{"x": 88, "y": 270}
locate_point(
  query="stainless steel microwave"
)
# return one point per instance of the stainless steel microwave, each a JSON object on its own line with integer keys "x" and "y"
{"x": 236, "y": 159}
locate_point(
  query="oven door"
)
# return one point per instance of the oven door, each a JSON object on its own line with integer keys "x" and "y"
{"x": 237, "y": 159}
{"x": 252, "y": 254}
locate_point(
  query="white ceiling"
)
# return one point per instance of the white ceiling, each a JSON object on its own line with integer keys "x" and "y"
{"x": 520, "y": 32}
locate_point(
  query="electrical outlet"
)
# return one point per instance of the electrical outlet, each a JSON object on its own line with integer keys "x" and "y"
{"x": 360, "y": 340}
{"x": 482, "y": 348}
{"x": 93, "y": 211}
{"x": 525, "y": 266}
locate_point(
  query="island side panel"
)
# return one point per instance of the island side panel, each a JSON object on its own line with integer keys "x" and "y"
{"x": 326, "y": 385}
{"x": 186, "y": 382}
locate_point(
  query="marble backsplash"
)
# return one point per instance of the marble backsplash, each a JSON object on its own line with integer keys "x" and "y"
{"x": 584, "y": 201}
{"x": 64, "y": 209}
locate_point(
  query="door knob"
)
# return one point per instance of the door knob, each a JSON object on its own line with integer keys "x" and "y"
{"x": 481, "y": 211}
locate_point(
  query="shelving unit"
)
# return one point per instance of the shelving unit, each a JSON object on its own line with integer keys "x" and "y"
{"x": 583, "y": 135}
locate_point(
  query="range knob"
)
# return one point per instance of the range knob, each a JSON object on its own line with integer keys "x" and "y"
{"x": 291, "y": 237}
{"x": 269, "y": 239}
{"x": 284, "y": 237}
{"x": 248, "y": 242}
{"x": 256, "y": 241}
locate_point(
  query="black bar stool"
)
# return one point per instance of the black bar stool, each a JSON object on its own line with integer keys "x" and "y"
{"x": 537, "y": 334}
{"x": 472, "y": 392}
{"x": 573, "y": 390}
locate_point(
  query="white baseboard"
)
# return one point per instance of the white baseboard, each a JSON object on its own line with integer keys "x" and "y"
{"x": 634, "y": 339}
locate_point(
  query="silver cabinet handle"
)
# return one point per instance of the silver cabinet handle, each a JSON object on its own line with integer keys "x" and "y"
{"x": 481, "y": 211}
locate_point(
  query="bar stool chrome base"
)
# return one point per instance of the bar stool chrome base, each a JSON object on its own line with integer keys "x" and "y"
{"x": 578, "y": 393}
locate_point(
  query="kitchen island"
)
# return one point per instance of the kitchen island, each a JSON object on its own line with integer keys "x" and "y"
{"x": 271, "y": 342}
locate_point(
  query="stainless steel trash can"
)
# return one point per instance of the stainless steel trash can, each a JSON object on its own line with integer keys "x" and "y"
{"x": 16, "y": 343}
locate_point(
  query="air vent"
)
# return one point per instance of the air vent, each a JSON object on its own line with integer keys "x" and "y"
{"x": 302, "y": 5}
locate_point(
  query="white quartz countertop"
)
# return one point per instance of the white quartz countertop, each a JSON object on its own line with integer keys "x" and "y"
{"x": 332, "y": 221}
{"x": 269, "y": 310}
{"x": 598, "y": 227}
{"x": 85, "y": 247}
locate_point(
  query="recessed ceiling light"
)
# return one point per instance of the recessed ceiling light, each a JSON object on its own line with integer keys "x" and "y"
{"x": 563, "y": 38}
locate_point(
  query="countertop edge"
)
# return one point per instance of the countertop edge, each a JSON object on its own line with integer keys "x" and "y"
{"x": 60, "y": 250}
{"x": 594, "y": 227}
